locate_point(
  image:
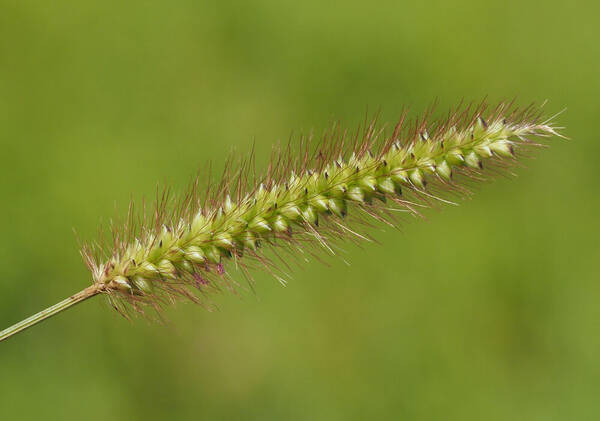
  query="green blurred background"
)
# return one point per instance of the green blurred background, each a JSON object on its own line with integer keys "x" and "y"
{"x": 488, "y": 311}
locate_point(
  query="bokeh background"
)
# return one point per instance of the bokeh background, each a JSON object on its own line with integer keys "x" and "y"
{"x": 488, "y": 311}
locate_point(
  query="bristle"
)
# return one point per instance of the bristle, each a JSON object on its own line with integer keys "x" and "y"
{"x": 318, "y": 197}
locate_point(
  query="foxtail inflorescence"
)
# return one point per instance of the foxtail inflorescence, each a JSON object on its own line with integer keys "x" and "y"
{"x": 310, "y": 196}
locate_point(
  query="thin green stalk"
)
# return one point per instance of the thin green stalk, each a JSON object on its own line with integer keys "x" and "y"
{"x": 49, "y": 312}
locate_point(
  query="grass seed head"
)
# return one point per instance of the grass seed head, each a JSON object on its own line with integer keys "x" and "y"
{"x": 313, "y": 196}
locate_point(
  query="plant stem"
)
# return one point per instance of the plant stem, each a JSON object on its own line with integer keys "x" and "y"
{"x": 49, "y": 312}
